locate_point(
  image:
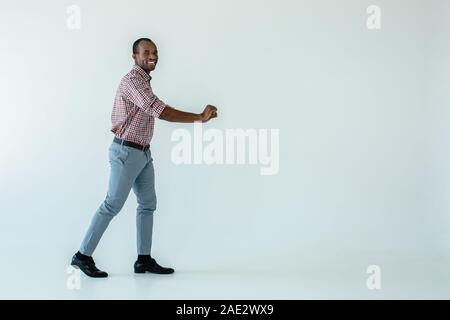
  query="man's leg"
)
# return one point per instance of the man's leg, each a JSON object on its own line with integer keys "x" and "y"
{"x": 126, "y": 163}
{"x": 144, "y": 188}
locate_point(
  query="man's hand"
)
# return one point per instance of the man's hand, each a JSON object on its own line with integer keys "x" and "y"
{"x": 208, "y": 113}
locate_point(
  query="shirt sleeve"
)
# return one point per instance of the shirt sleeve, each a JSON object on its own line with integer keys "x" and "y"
{"x": 141, "y": 94}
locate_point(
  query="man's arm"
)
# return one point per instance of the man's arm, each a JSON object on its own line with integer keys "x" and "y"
{"x": 173, "y": 115}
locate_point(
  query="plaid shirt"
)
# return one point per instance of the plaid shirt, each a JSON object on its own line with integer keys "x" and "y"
{"x": 135, "y": 108}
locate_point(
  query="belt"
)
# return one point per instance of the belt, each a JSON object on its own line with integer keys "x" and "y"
{"x": 131, "y": 144}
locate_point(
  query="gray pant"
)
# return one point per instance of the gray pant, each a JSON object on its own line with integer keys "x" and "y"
{"x": 130, "y": 168}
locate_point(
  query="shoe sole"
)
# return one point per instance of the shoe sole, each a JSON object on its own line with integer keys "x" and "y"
{"x": 139, "y": 271}
{"x": 77, "y": 267}
{"x": 146, "y": 271}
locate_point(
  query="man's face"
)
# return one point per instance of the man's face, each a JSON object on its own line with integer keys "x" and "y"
{"x": 147, "y": 56}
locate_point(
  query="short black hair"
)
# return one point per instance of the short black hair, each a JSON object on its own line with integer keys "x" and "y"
{"x": 136, "y": 44}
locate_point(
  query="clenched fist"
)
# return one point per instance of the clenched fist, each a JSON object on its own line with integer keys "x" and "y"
{"x": 209, "y": 113}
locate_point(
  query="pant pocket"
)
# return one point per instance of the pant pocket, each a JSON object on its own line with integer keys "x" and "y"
{"x": 118, "y": 153}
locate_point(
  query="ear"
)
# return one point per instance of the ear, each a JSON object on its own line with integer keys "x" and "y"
{"x": 133, "y": 56}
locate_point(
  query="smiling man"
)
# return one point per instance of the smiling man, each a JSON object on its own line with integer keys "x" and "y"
{"x": 133, "y": 118}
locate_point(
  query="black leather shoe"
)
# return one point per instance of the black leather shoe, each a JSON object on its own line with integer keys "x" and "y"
{"x": 152, "y": 267}
{"x": 88, "y": 267}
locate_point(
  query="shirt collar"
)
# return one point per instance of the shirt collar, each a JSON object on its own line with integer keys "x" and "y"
{"x": 142, "y": 72}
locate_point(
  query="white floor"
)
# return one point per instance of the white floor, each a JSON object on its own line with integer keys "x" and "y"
{"x": 401, "y": 278}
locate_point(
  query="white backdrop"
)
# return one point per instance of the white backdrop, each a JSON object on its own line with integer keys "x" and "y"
{"x": 364, "y": 149}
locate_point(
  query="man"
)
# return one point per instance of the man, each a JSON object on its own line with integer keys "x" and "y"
{"x": 133, "y": 116}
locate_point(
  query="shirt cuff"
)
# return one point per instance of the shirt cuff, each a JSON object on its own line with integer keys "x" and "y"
{"x": 158, "y": 108}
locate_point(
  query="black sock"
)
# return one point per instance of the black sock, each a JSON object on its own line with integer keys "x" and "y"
{"x": 81, "y": 256}
{"x": 142, "y": 258}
